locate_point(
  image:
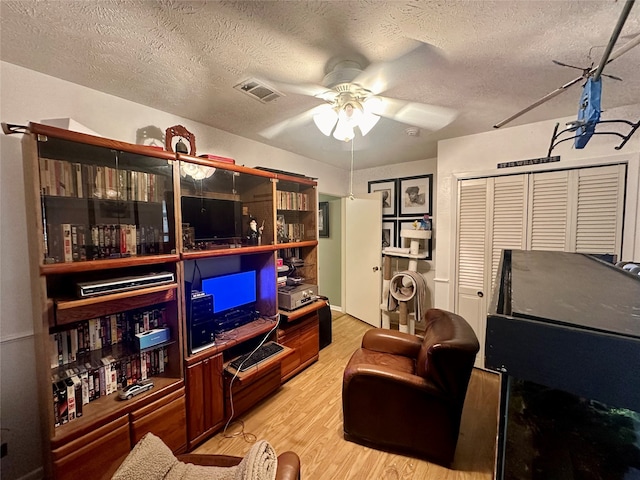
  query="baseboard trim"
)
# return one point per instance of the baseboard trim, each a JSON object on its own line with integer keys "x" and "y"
{"x": 37, "y": 474}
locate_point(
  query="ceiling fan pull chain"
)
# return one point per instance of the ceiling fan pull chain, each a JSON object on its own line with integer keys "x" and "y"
{"x": 351, "y": 174}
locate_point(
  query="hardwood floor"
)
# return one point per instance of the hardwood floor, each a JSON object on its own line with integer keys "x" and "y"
{"x": 305, "y": 415}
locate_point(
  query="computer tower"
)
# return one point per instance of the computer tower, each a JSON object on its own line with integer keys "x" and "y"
{"x": 201, "y": 329}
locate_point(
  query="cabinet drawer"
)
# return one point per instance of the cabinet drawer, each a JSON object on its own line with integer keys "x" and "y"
{"x": 303, "y": 338}
{"x": 309, "y": 342}
{"x": 96, "y": 455}
{"x": 166, "y": 420}
{"x": 291, "y": 362}
{"x": 247, "y": 395}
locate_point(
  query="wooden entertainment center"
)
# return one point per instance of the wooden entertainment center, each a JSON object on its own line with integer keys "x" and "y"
{"x": 104, "y": 210}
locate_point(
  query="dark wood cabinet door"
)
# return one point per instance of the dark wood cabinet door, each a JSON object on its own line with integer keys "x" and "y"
{"x": 205, "y": 398}
{"x": 213, "y": 401}
{"x": 195, "y": 401}
{"x": 96, "y": 455}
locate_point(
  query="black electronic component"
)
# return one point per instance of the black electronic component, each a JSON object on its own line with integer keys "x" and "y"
{"x": 202, "y": 328}
{"x": 248, "y": 360}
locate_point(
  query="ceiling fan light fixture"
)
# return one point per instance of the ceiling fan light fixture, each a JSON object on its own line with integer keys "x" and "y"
{"x": 351, "y": 114}
{"x": 373, "y": 105}
{"x": 367, "y": 122}
{"x": 344, "y": 131}
{"x": 326, "y": 120}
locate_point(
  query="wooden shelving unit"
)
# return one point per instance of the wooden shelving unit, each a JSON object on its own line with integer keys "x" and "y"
{"x": 106, "y": 210}
{"x": 103, "y": 210}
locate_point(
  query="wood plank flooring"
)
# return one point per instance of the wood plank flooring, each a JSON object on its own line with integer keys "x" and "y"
{"x": 305, "y": 415}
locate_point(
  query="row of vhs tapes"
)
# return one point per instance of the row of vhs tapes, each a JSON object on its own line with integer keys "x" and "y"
{"x": 68, "y": 242}
{"x": 68, "y": 346}
{"x": 60, "y": 178}
{"x": 86, "y": 383}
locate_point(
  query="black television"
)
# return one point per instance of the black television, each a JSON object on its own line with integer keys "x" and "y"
{"x": 212, "y": 219}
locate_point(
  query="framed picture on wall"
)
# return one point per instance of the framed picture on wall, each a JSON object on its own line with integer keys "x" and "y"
{"x": 407, "y": 224}
{"x": 415, "y": 195}
{"x": 323, "y": 219}
{"x": 388, "y": 190}
{"x": 389, "y": 234}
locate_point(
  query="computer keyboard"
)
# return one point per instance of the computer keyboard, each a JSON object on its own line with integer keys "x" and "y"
{"x": 263, "y": 353}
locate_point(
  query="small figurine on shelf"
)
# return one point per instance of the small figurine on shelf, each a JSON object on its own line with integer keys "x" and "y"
{"x": 425, "y": 223}
{"x": 422, "y": 224}
{"x": 254, "y": 235}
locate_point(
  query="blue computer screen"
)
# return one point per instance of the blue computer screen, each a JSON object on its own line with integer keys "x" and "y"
{"x": 231, "y": 291}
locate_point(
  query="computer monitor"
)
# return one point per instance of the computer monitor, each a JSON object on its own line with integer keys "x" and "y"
{"x": 231, "y": 292}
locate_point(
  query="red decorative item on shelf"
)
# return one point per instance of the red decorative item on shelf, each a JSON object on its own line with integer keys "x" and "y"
{"x": 218, "y": 158}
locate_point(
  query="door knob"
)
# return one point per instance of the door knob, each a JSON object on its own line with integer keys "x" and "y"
{"x": 375, "y": 269}
{"x": 480, "y": 294}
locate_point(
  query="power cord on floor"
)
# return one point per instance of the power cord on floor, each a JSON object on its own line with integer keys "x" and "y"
{"x": 247, "y": 437}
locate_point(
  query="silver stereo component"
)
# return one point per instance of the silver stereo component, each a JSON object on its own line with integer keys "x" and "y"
{"x": 291, "y": 297}
{"x": 113, "y": 285}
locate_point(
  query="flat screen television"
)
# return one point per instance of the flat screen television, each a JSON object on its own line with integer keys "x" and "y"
{"x": 231, "y": 292}
{"x": 212, "y": 219}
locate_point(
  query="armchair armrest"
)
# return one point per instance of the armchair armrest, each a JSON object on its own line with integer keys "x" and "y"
{"x": 209, "y": 460}
{"x": 392, "y": 341}
{"x": 288, "y": 466}
{"x": 288, "y": 463}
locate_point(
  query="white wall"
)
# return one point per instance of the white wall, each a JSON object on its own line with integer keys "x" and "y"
{"x": 330, "y": 255}
{"x": 478, "y": 155}
{"x": 26, "y": 96}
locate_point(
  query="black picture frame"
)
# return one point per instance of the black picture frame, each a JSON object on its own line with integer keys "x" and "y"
{"x": 389, "y": 195}
{"x": 323, "y": 219}
{"x": 389, "y": 233}
{"x": 415, "y": 195}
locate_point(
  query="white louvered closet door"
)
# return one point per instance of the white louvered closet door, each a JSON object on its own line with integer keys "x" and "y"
{"x": 508, "y": 219}
{"x": 599, "y": 208}
{"x": 577, "y": 210}
{"x": 571, "y": 210}
{"x": 549, "y": 222}
{"x": 472, "y": 254}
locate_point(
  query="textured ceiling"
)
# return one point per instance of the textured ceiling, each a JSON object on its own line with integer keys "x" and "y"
{"x": 185, "y": 57}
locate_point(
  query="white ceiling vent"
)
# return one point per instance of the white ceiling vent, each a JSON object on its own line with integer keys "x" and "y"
{"x": 258, "y": 90}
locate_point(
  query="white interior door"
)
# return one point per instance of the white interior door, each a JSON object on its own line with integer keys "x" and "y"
{"x": 363, "y": 257}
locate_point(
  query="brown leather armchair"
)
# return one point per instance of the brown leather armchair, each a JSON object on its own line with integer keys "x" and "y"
{"x": 405, "y": 394}
{"x": 288, "y": 463}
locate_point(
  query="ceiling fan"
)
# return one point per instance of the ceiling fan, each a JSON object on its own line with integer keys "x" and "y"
{"x": 351, "y": 98}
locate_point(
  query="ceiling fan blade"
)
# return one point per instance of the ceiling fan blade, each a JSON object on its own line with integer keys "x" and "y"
{"x": 291, "y": 122}
{"x": 429, "y": 117}
{"x": 379, "y": 77}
